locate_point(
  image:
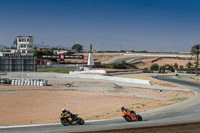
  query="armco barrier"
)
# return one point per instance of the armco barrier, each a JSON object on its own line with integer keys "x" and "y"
{"x": 120, "y": 73}
{"x": 85, "y": 76}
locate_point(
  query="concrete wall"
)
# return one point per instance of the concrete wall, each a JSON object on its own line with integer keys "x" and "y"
{"x": 159, "y": 55}
{"x": 86, "y": 76}
{"x": 88, "y": 71}
{"x": 120, "y": 73}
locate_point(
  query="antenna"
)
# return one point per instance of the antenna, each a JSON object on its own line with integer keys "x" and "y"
{"x": 91, "y": 48}
{"x": 102, "y": 47}
{"x": 42, "y": 45}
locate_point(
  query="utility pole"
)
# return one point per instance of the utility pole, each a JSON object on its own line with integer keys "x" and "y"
{"x": 102, "y": 47}
{"x": 22, "y": 67}
{"x": 34, "y": 65}
{"x": 10, "y": 65}
{"x": 42, "y": 45}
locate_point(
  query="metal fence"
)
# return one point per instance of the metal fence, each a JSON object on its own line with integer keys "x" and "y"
{"x": 18, "y": 63}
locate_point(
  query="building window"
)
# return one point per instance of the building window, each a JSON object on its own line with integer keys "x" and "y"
{"x": 23, "y": 51}
{"x": 23, "y": 45}
{"x": 23, "y": 39}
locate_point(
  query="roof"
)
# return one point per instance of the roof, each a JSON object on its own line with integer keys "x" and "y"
{"x": 26, "y": 36}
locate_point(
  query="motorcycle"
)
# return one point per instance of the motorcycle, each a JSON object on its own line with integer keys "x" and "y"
{"x": 131, "y": 115}
{"x": 66, "y": 122}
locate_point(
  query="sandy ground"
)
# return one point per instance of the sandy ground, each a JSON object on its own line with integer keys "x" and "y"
{"x": 148, "y": 62}
{"x": 97, "y": 58}
{"x": 114, "y": 58}
{"x": 91, "y": 99}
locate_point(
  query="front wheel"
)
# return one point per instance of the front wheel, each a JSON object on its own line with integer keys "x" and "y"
{"x": 139, "y": 117}
{"x": 64, "y": 122}
{"x": 81, "y": 121}
{"x": 127, "y": 118}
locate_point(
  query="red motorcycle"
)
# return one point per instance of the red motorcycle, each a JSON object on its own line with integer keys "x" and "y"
{"x": 130, "y": 115}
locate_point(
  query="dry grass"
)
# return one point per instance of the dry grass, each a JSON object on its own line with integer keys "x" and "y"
{"x": 43, "y": 104}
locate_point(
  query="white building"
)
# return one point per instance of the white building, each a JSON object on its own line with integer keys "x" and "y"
{"x": 24, "y": 45}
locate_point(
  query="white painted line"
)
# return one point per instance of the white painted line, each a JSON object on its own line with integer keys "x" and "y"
{"x": 18, "y": 126}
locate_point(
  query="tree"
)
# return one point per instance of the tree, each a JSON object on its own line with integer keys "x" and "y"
{"x": 181, "y": 67}
{"x": 77, "y": 47}
{"x": 154, "y": 67}
{"x": 162, "y": 68}
{"x": 196, "y": 51}
{"x": 175, "y": 66}
{"x": 196, "y": 63}
{"x": 189, "y": 64}
{"x": 169, "y": 67}
{"x": 42, "y": 52}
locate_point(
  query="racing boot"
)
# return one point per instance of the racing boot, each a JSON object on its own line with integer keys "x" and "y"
{"x": 74, "y": 122}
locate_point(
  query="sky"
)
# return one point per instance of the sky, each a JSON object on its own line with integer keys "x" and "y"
{"x": 152, "y": 25}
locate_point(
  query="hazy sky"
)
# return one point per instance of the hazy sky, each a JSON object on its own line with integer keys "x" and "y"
{"x": 153, "y": 25}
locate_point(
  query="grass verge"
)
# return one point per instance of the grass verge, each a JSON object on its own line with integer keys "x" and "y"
{"x": 56, "y": 71}
{"x": 178, "y": 99}
{"x": 185, "y": 77}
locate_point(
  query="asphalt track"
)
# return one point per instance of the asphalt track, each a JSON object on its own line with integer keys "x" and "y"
{"x": 184, "y": 112}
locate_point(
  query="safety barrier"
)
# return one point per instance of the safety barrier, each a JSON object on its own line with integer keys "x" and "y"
{"x": 121, "y": 73}
{"x": 88, "y": 71}
{"x": 84, "y": 76}
{"x": 31, "y": 82}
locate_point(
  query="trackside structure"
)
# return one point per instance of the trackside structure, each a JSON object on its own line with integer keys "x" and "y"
{"x": 18, "y": 63}
{"x": 24, "y": 45}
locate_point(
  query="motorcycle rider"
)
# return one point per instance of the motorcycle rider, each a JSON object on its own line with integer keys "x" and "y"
{"x": 123, "y": 109}
{"x": 68, "y": 115}
{"x": 127, "y": 110}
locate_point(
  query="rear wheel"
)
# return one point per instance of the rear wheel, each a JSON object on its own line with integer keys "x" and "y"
{"x": 139, "y": 117}
{"x": 81, "y": 121}
{"x": 127, "y": 118}
{"x": 64, "y": 122}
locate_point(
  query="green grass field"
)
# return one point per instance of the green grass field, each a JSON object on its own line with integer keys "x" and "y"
{"x": 56, "y": 71}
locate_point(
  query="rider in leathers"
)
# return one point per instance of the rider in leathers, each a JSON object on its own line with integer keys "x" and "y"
{"x": 68, "y": 115}
{"x": 126, "y": 110}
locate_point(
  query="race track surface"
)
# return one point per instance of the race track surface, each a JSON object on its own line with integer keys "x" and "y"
{"x": 184, "y": 112}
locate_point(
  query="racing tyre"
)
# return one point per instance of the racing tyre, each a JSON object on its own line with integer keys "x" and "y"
{"x": 64, "y": 122}
{"x": 128, "y": 118}
{"x": 139, "y": 117}
{"x": 81, "y": 121}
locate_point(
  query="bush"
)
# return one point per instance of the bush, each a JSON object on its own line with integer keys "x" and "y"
{"x": 154, "y": 67}
{"x": 119, "y": 66}
{"x": 145, "y": 69}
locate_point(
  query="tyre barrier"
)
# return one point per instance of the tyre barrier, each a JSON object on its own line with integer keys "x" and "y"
{"x": 5, "y": 81}
{"x": 30, "y": 82}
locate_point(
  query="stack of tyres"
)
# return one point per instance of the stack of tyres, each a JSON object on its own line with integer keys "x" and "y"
{"x": 5, "y": 81}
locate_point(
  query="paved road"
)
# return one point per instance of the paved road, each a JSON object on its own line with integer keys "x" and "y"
{"x": 187, "y": 111}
